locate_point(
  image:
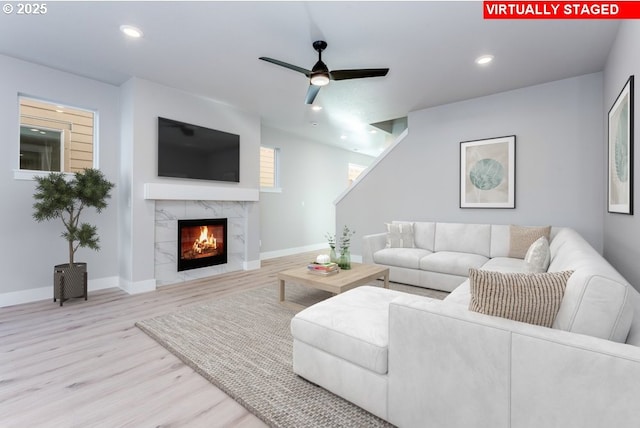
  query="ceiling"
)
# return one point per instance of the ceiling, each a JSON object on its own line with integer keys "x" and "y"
{"x": 212, "y": 49}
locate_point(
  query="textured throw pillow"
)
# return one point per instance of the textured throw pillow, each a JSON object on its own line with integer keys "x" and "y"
{"x": 538, "y": 256}
{"x": 521, "y": 238}
{"x": 400, "y": 235}
{"x": 533, "y": 298}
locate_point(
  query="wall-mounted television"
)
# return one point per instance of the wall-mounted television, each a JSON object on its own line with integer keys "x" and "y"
{"x": 192, "y": 151}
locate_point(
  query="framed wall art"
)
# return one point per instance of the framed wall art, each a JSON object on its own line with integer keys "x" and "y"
{"x": 620, "y": 152}
{"x": 488, "y": 173}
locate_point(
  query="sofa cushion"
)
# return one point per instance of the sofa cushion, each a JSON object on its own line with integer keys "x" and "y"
{"x": 499, "y": 240}
{"x": 521, "y": 238}
{"x": 400, "y": 257}
{"x": 538, "y": 256}
{"x": 352, "y": 326}
{"x": 463, "y": 238}
{"x": 400, "y": 235}
{"x": 597, "y": 301}
{"x": 532, "y": 298}
{"x": 424, "y": 234}
{"x": 505, "y": 264}
{"x": 452, "y": 263}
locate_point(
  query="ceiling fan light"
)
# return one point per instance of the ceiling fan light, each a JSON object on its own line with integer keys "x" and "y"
{"x": 320, "y": 79}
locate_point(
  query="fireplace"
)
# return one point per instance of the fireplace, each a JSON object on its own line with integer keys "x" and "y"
{"x": 201, "y": 243}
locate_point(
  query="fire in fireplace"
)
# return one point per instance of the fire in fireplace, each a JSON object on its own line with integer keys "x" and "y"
{"x": 201, "y": 243}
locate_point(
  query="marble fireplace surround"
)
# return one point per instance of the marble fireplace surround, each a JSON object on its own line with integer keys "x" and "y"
{"x": 179, "y": 202}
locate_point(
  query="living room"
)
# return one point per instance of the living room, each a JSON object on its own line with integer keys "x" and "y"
{"x": 127, "y": 114}
{"x": 561, "y": 166}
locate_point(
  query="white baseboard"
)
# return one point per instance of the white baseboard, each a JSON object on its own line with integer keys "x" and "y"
{"x": 45, "y": 293}
{"x": 251, "y": 265}
{"x": 138, "y": 286}
{"x": 290, "y": 251}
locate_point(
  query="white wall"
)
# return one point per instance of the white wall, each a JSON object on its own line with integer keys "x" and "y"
{"x": 142, "y": 103}
{"x": 559, "y": 169}
{"x": 312, "y": 176}
{"x": 29, "y": 250}
{"x": 621, "y": 232}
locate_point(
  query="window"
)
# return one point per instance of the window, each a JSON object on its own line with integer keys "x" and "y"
{"x": 55, "y": 137}
{"x": 269, "y": 179}
{"x": 354, "y": 171}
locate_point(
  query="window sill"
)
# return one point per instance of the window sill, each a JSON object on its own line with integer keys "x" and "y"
{"x": 271, "y": 190}
{"x": 26, "y": 174}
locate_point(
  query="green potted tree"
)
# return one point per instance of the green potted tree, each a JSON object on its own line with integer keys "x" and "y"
{"x": 58, "y": 196}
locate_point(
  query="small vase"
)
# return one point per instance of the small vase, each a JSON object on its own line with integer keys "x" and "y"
{"x": 345, "y": 259}
{"x": 333, "y": 256}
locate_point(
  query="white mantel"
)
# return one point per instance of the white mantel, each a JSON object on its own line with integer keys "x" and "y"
{"x": 189, "y": 192}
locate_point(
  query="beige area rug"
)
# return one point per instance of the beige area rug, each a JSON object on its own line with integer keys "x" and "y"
{"x": 242, "y": 344}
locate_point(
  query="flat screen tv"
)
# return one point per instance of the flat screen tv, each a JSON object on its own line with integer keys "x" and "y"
{"x": 191, "y": 151}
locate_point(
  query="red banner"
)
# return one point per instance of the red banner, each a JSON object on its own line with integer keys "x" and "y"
{"x": 561, "y": 10}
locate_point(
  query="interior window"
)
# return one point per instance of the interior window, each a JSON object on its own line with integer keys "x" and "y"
{"x": 269, "y": 174}
{"x": 55, "y": 137}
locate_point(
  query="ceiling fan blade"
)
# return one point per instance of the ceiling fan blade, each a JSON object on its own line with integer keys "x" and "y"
{"x": 287, "y": 65}
{"x": 311, "y": 93}
{"x": 358, "y": 73}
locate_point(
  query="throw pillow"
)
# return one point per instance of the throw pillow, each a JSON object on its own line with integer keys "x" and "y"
{"x": 400, "y": 235}
{"x": 538, "y": 256}
{"x": 533, "y": 298}
{"x": 521, "y": 238}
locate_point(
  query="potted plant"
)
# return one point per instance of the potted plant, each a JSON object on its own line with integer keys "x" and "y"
{"x": 345, "y": 242}
{"x": 59, "y": 196}
{"x": 331, "y": 239}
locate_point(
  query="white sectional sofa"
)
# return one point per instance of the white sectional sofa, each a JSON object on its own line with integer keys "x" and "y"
{"x": 421, "y": 362}
{"x": 440, "y": 254}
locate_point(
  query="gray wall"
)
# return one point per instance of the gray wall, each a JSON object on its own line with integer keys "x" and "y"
{"x": 29, "y": 250}
{"x": 127, "y": 131}
{"x": 559, "y": 130}
{"x": 312, "y": 177}
{"x": 621, "y": 231}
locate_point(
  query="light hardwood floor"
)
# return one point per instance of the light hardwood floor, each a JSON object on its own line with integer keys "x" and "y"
{"x": 86, "y": 365}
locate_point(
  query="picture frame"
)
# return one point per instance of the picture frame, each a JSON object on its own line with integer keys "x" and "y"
{"x": 488, "y": 173}
{"x": 620, "y": 152}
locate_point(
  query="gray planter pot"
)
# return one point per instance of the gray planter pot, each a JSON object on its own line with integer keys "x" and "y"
{"x": 69, "y": 281}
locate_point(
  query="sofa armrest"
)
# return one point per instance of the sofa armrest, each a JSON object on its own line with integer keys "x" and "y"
{"x": 371, "y": 244}
{"x": 451, "y": 367}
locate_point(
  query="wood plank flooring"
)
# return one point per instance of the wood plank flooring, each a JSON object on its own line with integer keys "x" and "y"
{"x": 86, "y": 365}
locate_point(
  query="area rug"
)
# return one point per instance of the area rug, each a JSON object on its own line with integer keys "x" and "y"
{"x": 242, "y": 344}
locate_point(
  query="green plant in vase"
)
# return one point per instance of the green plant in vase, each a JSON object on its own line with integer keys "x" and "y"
{"x": 345, "y": 242}
{"x": 64, "y": 197}
{"x": 331, "y": 239}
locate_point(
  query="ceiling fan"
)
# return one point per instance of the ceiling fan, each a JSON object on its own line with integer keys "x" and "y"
{"x": 320, "y": 75}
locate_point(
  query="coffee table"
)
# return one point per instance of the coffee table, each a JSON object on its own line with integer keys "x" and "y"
{"x": 359, "y": 274}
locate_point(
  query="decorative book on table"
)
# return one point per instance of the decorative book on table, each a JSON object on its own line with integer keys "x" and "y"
{"x": 323, "y": 268}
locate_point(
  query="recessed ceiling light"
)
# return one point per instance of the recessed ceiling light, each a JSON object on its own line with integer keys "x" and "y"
{"x": 484, "y": 59}
{"x": 131, "y": 31}
{"x": 316, "y": 108}
{"x": 343, "y": 137}
{"x": 373, "y": 131}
